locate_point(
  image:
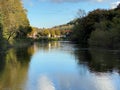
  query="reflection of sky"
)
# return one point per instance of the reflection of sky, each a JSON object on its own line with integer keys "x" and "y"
{"x": 104, "y": 82}
{"x": 44, "y": 83}
{"x": 58, "y": 70}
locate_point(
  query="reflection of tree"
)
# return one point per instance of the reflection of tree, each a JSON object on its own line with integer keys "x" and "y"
{"x": 48, "y": 45}
{"x": 104, "y": 60}
{"x": 23, "y": 55}
{"x": 99, "y": 60}
{"x": 14, "y": 66}
{"x": 2, "y": 61}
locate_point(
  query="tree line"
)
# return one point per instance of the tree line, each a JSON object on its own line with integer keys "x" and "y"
{"x": 99, "y": 28}
{"x": 48, "y": 33}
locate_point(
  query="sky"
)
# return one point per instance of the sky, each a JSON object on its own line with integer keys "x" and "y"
{"x": 50, "y": 13}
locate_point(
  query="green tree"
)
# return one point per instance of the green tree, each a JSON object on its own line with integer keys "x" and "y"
{"x": 46, "y": 32}
{"x": 15, "y": 22}
{"x": 99, "y": 28}
{"x": 57, "y": 32}
{"x": 52, "y": 32}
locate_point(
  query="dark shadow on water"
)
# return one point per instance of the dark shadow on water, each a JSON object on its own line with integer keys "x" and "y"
{"x": 2, "y": 61}
{"x": 98, "y": 60}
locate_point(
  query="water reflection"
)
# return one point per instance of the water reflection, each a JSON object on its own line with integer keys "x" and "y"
{"x": 103, "y": 66}
{"x": 99, "y": 60}
{"x": 44, "y": 83}
{"x": 105, "y": 60}
{"x": 13, "y": 69}
{"x": 59, "y": 66}
{"x": 2, "y": 62}
{"x": 47, "y": 46}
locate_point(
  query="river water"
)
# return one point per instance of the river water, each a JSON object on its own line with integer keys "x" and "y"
{"x": 59, "y": 66}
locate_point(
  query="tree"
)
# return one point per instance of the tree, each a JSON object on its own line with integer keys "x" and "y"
{"x": 15, "y": 22}
{"x": 81, "y": 13}
{"x": 118, "y": 7}
{"x": 46, "y": 32}
{"x": 99, "y": 28}
{"x": 57, "y": 32}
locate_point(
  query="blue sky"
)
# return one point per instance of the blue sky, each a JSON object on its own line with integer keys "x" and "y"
{"x": 49, "y": 13}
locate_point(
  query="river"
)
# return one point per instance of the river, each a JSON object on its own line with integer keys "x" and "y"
{"x": 59, "y": 65}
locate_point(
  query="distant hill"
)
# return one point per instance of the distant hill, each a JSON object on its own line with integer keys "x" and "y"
{"x": 67, "y": 26}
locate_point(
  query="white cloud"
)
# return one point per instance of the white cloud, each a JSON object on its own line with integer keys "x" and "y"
{"x": 62, "y": 1}
{"x": 32, "y": 2}
{"x": 44, "y": 83}
{"x": 115, "y": 4}
{"x": 57, "y": 1}
{"x": 99, "y": 0}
